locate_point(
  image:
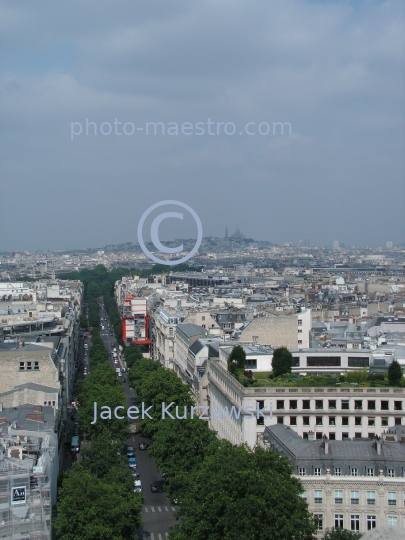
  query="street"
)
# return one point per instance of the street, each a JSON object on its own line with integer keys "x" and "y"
{"x": 157, "y": 514}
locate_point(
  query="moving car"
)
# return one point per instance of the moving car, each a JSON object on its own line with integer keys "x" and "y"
{"x": 156, "y": 487}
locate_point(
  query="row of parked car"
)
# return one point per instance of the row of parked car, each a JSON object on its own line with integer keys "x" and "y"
{"x": 155, "y": 487}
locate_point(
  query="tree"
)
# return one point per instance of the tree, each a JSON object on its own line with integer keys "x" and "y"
{"x": 91, "y": 509}
{"x": 236, "y": 360}
{"x": 242, "y": 493}
{"x": 181, "y": 445}
{"x": 340, "y": 534}
{"x": 395, "y": 374}
{"x": 282, "y": 362}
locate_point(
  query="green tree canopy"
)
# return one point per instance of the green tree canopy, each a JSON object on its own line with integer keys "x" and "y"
{"x": 180, "y": 445}
{"x": 91, "y": 509}
{"x": 242, "y": 493}
{"x": 282, "y": 361}
{"x": 236, "y": 360}
{"x": 340, "y": 534}
{"x": 395, "y": 374}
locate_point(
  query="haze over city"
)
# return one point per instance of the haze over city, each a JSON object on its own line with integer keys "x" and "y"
{"x": 332, "y": 71}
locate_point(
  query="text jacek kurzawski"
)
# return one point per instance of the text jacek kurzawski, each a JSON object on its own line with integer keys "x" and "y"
{"x": 172, "y": 411}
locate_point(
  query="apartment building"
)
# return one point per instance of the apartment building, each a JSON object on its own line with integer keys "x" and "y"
{"x": 164, "y": 333}
{"x": 338, "y": 413}
{"x": 355, "y": 485}
{"x": 292, "y": 331}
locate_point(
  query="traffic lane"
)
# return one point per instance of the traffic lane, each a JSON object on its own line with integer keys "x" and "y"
{"x": 148, "y": 473}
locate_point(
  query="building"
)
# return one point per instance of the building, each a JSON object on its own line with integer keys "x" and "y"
{"x": 340, "y": 413}
{"x": 330, "y": 361}
{"x": 291, "y": 331}
{"x": 356, "y": 485}
{"x": 28, "y": 472}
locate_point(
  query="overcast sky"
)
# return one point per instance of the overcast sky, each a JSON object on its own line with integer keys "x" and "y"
{"x": 333, "y": 70}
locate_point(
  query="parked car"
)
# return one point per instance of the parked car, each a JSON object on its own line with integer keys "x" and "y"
{"x": 130, "y": 453}
{"x": 130, "y": 449}
{"x": 143, "y": 446}
{"x": 137, "y": 486}
{"x": 132, "y": 462}
{"x": 135, "y": 472}
{"x": 123, "y": 380}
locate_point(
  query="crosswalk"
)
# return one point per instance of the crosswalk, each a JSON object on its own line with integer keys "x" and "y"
{"x": 148, "y": 509}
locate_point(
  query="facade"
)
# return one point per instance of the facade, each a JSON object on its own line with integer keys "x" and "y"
{"x": 28, "y": 472}
{"x": 292, "y": 331}
{"x": 186, "y": 335}
{"x": 339, "y": 413}
{"x": 164, "y": 332}
{"x": 330, "y": 361}
{"x": 355, "y": 485}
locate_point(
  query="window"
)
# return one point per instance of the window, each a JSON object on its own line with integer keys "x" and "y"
{"x": 29, "y": 365}
{"x": 345, "y": 404}
{"x": 293, "y": 404}
{"x": 260, "y": 421}
{"x": 203, "y": 326}
{"x": 397, "y": 405}
{"x": 36, "y": 366}
{"x": 299, "y": 322}
{"x": 339, "y": 521}
{"x": 385, "y": 406}
{"x": 384, "y": 421}
{"x": 371, "y": 405}
{"x": 293, "y": 420}
{"x": 300, "y": 331}
{"x": 319, "y": 436}
{"x": 354, "y": 497}
{"x": 391, "y": 472}
{"x": 332, "y": 421}
{"x": 302, "y": 471}
{"x": 357, "y": 435}
{"x": 345, "y": 420}
{"x": 317, "y": 471}
{"x": 306, "y": 404}
{"x": 370, "y": 497}
{"x": 251, "y": 363}
{"x": 357, "y": 420}
{"x": 371, "y": 421}
{"x": 280, "y": 404}
{"x": 371, "y": 522}
{"x": 354, "y": 471}
{"x": 313, "y": 361}
{"x": 392, "y": 498}
{"x": 318, "y": 496}
{"x": 397, "y": 420}
{"x": 355, "y": 522}
{"x": 369, "y": 471}
{"x": 53, "y": 403}
{"x": 319, "y": 521}
{"x": 358, "y": 361}
{"x": 280, "y": 419}
{"x": 22, "y": 366}
{"x": 332, "y": 436}
{"x": 300, "y": 342}
{"x": 338, "y": 471}
{"x": 332, "y": 404}
{"x": 318, "y": 404}
{"x": 345, "y": 435}
{"x": 338, "y": 496}
{"x": 319, "y": 421}
{"x": 358, "y": 404}
{"x": 203, "y": 318}
{"x": 304, "y": 495}
{"x": 171, "y": 332}
{"x": 305, "y": 420}
{"x": 392, "y": 521}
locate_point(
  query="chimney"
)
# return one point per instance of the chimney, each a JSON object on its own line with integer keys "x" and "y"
{"x": 378, "y": 447}
{"x": 311, "y": 436}
{"x": 326, "y": 446}
{"x": 37, "y": 408}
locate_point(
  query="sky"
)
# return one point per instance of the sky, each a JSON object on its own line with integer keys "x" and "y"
{"x": 289, "y": 114}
